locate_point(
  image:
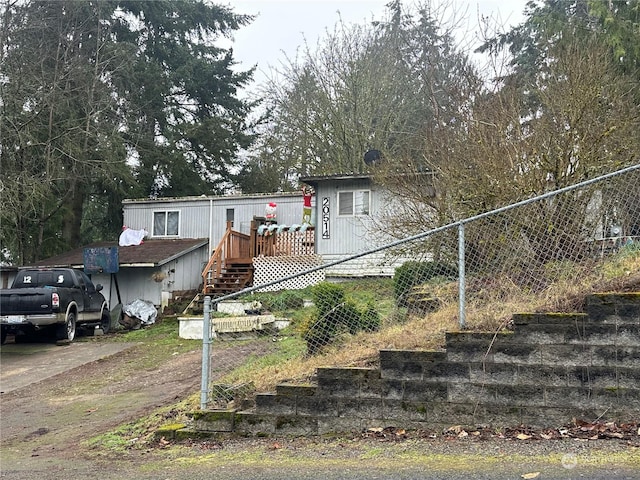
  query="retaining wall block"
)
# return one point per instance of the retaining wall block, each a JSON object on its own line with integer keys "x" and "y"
{"x": 567, "y": 355}
{"x": 629, "y": 400}
{"x": 214, "y": 421}
{"x": 628, "y": 334}
{"x": 275, "y": 404}
{"x": 519, "y": 319}
{"x": 517, "y": 354}
{"x": 365, "y": 408}
{"x": 491, "y": 348}
{"x": 555, "y": 417}
{"x": 542, "y": 375}
{"x": 491, "y": 373}
{"x": 404, "y": 411}
{"x": 407, "y": 364}
{"x": 446, "y": 372}
{"x": 613, "y": 307}
{"x": 296, "y": 390}
{"x": 592, "y": 334}
{"x": 471, "y": 393}
{"x": 591, "y": 377}
{"x": 256, "y": 424}
{"x": 628, "y": 356}
{"x": 392, "y": 389}
{"x": 628, "y": 377}
{"x": 471, "y": 415}
{"x": 296, "y": 425}
{"x": 541, "y": 333}
{"x": 518, "y": 395}
{"x": 416, "y": 391}
{"x": 581, "y": 397}
{"x": 623, "y": 356}
{"x": 317, "y": 405}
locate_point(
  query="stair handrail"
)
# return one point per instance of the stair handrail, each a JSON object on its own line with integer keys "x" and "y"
{"x": 231, "y": 244}
{"x": 216, "y": 259}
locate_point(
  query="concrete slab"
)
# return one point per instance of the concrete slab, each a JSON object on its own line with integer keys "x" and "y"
{"x": 24, "y": 364}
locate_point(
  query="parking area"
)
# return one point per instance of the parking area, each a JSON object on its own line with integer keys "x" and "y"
{"x": 22, "y": 364}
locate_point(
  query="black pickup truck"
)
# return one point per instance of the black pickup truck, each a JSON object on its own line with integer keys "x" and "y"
{"x": 52, "y": 299}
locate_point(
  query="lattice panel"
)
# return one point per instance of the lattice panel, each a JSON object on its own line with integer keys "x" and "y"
{"x": 269, "y": 269}
{"x": 295, "y": 243}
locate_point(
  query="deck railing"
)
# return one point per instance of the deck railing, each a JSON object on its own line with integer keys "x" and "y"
{"x": 277, "y": 241}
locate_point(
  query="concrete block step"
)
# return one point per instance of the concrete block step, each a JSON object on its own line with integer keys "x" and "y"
{"x": 613, "y": 307}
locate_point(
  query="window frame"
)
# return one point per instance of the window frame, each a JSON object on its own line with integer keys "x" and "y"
{"x": 364, "y": 211}
{"x": 166, "y": 223}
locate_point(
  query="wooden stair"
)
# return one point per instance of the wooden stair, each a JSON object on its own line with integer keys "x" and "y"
{"x": 236, "y": 274}
{"x": 230, "y": 268}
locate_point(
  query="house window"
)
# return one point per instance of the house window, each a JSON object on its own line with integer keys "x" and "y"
{"x": 231, "y": 213}
{"x": 165, "y": 224}
{"x": 353, "y": 203}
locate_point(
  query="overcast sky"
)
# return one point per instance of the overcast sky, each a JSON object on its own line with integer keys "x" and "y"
{"x": 281, "y": 26}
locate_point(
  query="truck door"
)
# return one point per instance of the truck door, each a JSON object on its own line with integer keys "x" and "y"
{"x": 93, "y": 298}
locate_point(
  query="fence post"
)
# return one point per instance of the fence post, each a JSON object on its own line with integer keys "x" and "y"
{"x": 461, "y": 278}
{"x": 206, "y": 343}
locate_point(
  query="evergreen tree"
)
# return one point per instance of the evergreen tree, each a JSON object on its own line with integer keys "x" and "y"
{"x": 103, "y": 100}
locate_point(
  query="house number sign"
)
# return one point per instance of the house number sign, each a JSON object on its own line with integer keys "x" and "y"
{"x": 325, "y": 218}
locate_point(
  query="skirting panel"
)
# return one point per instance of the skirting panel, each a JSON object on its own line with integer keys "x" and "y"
{"x": 271, "y": 269}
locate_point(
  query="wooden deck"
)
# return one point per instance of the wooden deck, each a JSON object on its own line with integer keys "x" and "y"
{"x": 230, "y": 268}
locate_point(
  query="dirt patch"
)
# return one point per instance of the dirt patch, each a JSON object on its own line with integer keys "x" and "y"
{"x": 53, "y": 416}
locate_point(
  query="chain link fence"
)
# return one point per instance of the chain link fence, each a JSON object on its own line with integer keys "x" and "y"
{"x": 542, "y": 254}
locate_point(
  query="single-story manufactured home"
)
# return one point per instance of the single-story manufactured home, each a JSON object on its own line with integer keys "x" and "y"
{"x": 186, "y": 235}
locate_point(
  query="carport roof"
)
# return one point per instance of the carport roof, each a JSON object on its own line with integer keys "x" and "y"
{"x": 150, "y": 253}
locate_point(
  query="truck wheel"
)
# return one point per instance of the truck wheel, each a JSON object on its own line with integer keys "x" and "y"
{"x": 105, "y": 322}
{"x": 67, "y": 331}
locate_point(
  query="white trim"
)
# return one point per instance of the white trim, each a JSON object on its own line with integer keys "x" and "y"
{"x": 355, "y": 193}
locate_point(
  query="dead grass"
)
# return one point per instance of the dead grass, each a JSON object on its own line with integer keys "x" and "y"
{"x": 487, "y": 309}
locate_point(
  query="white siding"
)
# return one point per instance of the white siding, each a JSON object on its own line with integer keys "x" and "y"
{"x": 347, "y": 234}
{"x": 206, "y": 217}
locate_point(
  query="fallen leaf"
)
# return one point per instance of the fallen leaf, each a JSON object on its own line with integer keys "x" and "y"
{"x": 531, "y": 475}
{"x": 375, "y": 430}
{"x": 463, "y": 434}
{"x": 276, "y": 446}
{"x": 545, "y": 436}
{"x": 524, "y": 436}
{"x": 401, "y": 431}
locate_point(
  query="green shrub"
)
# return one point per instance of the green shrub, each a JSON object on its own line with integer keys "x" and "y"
{"x": 370, "y": 320}
{"x": 326, "y": 296}
{"x": 336, "y": 314}
{"x": 411, "y": 274}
